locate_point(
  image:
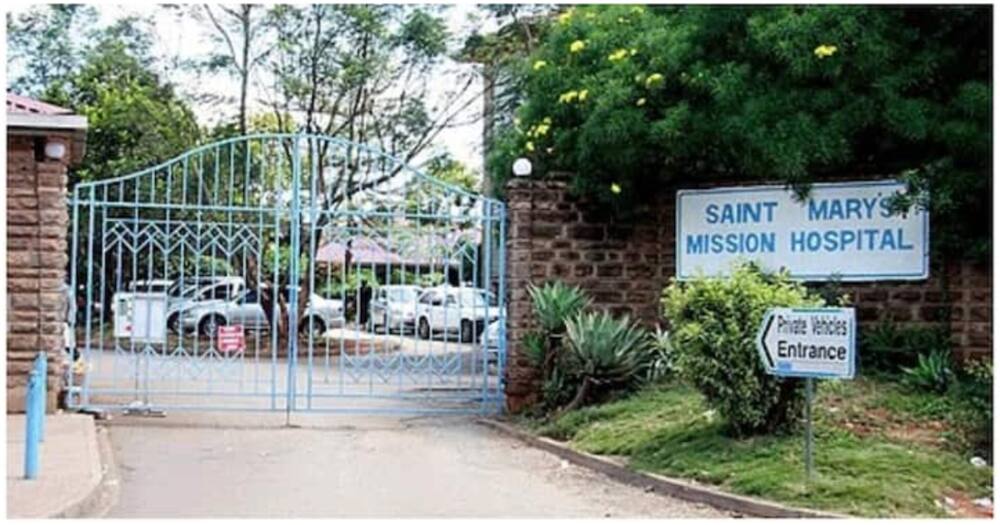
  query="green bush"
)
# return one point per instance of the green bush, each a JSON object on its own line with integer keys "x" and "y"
{"x": 714, "y": 324}
{"x": 973, "y": 413}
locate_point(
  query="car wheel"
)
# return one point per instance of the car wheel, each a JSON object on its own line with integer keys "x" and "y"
{"x": 424, "y": 329}
{"x": 317, "y": 325}
{"x": 174, "y": 323}
{"x": 466, "y": 331}
{"x": 210, "y": 325}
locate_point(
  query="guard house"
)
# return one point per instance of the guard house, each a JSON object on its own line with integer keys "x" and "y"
{"x": 43, "y": 142}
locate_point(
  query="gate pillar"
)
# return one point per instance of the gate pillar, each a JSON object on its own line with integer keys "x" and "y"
{"x": 43, "y": 141}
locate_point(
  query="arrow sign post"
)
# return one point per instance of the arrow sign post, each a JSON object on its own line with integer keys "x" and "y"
{"x": 808, "y": 343}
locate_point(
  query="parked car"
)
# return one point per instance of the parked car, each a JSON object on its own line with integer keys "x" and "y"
{"x": 394, "y": 307}
{"x": 452, "y": 309}
{"x": 151, "y": 286}
{"x": 321, "y": 314}
{"x": 243, "y": 306}
{"x": 184, "y": 294}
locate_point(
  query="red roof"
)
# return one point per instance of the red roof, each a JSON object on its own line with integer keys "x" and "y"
{"x": 19, "y": 104}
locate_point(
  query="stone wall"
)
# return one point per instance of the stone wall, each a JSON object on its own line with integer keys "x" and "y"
{"x": 37, "y": 222}
{"x": 624, "y": 267}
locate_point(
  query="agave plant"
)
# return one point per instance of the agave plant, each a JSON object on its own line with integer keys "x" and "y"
{"x": 662, "y": 361}
{"x": 610, "y": 353}
{"x": 932, "y": 373}
{"x": 554, "y": 303}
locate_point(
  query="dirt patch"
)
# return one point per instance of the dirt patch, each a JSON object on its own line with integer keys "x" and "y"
{"x": 880, "y": 421}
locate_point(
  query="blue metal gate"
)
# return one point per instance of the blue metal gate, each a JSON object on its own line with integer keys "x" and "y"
{"x": 287, "y": 272}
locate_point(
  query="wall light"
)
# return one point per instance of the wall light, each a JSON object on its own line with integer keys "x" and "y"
{"x": 522, "y": 167}
{"x": 55, "y": 150}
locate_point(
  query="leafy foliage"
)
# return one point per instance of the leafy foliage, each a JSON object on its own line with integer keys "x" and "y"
{"x": 663, "y": 357}
{"x": 932, "y": 373}
{"x": 608, "y": 355}
{"x": 888, "y": 347}
{"x": 630, "y": 97}
{"x": 974, "y": 410}
{"x": 555, "y": 303}
{"x": 714, "y": 324}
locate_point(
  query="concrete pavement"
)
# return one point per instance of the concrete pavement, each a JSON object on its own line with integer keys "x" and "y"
{"x": 70, "y": 466}
{"x": 250, "y": 465}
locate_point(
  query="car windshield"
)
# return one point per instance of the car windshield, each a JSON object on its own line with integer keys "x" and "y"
{"x": 401, "y": 295}
{"x": 471, "y": 297}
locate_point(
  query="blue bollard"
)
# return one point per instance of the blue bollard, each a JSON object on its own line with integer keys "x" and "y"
{"x": 42, "y": 364}
{"x": 31, "y": 427}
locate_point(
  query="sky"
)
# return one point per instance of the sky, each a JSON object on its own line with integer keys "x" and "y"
{"x": 178, "y": 37}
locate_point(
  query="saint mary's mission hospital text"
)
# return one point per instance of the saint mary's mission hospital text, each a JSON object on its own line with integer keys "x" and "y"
{"x": 809, "y": 240}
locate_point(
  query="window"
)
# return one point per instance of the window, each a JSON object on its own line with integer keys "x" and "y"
{"x": 431, "y": 298}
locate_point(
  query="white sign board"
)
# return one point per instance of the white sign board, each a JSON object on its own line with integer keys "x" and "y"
{"x": 808, "y": 342}
{"x": 149, "y": 318}
{"x": 843, "y": 229}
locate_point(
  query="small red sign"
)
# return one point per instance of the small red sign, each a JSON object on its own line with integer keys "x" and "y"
{"x": 230, "y": 338}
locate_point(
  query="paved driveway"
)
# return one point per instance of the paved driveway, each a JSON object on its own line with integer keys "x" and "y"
{"x": 250, "y": 465}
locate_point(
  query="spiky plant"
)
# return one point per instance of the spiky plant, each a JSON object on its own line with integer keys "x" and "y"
{"x": 554, "y": 303}
{"x": 610, "y": 353}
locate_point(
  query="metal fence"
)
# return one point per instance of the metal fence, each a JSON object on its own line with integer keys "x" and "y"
{"x": 287, "y": 272}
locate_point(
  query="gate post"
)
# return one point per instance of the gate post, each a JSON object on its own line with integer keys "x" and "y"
{"x": 293, "y": 277}
{"x": 42, "y": 143}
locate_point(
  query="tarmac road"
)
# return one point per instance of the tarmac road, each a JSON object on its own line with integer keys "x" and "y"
{"x": 251, "y": 465}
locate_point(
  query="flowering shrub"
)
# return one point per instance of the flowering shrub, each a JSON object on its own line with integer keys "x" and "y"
{"x": 638, "y": 96}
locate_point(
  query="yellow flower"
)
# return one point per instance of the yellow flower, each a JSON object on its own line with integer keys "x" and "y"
{"x": 547, "y": 120}
{"x": 577, "y": 46}
{"x": 617, "y": 55}
{"x": 615, "y": 188}
{"x": 824, "y": 51}
{"x": 530, "y": 146}
{"x": 568, "y": 97}
{"x": 654, "y": 80}
{"x": 539, "y": 64}
{"x": 640, "y": 102}
{"x": 633, "y": 51}
{"x": 583, "y": 95}
{"x": 540, "y": 130}
{"x": 565, "y": 16}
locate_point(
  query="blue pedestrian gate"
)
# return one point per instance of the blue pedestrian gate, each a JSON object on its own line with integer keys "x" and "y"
{"x": 287, "y": 272}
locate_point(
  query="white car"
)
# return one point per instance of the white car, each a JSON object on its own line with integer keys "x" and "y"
{"x": 451, "y": 309}
{"x": 394, "y": 307}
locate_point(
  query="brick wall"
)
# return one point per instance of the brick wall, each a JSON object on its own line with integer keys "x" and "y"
{"x": 37, "y": 222}
{"x": 624, "y": 267}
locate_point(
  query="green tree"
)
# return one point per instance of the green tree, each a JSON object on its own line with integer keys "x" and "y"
{"x": 43, "y": 45}
{"x": 631, "y": 97}
{"x": 135, "y": 118}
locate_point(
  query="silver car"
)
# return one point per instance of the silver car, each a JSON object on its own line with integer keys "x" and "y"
{"x": 244, "y": 308}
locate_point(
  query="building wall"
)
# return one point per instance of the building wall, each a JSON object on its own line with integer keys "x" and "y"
{"x": 37, "y": 221}
{"x": 625, "y": 266}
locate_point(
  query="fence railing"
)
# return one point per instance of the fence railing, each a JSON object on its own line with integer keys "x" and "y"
{"x": 34, "y": 410}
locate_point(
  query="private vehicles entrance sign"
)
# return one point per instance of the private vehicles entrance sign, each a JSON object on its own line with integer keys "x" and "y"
{"x": 843, "y": 229}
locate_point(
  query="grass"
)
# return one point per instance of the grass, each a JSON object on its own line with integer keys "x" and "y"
{"x": 867, "y": 464}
